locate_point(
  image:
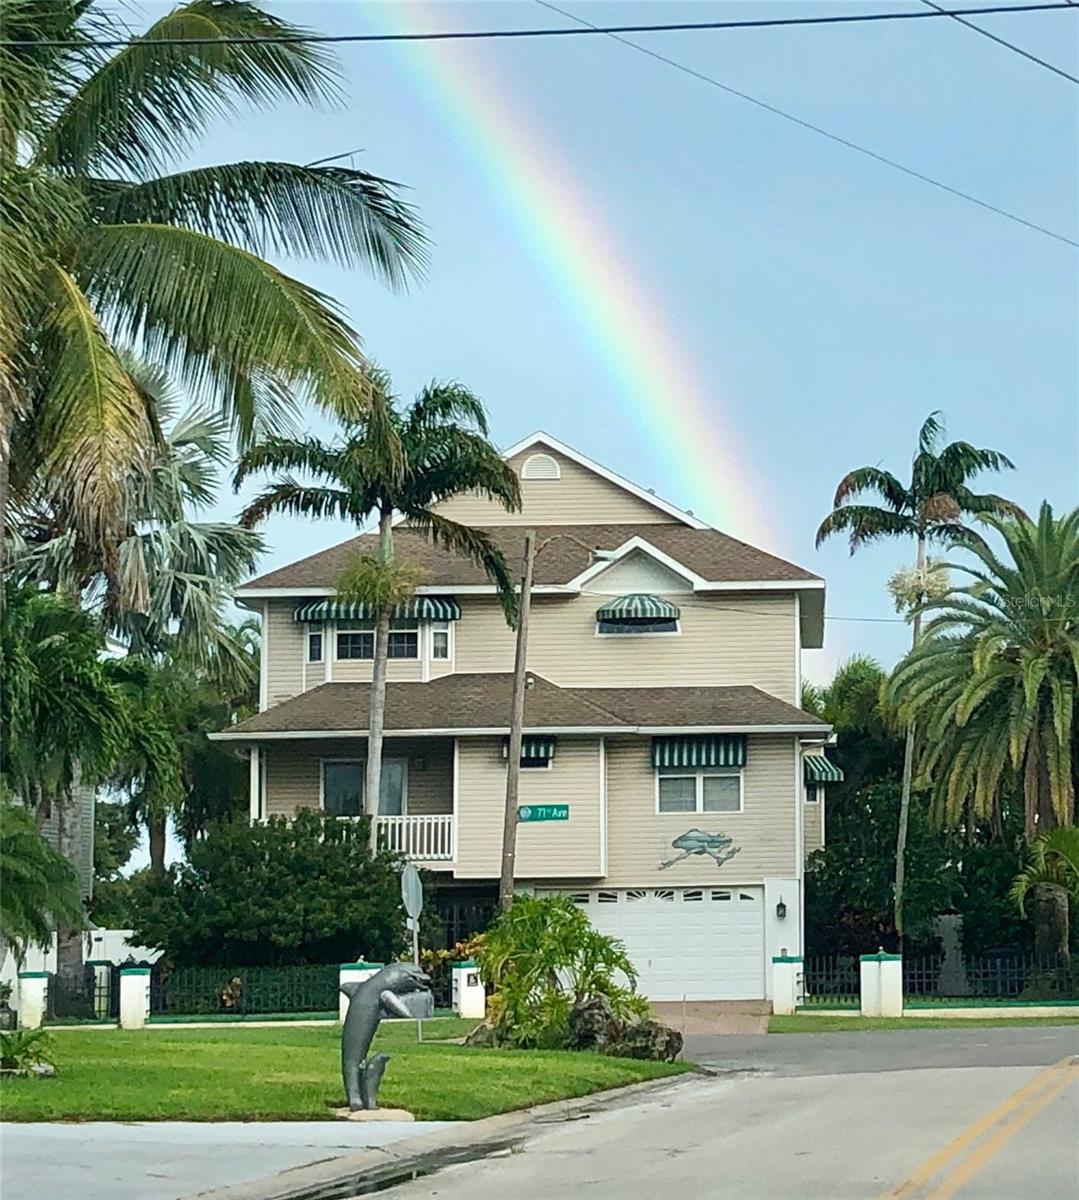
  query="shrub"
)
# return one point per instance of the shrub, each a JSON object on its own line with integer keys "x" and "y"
{"x": 25, "y": 1049}
{"x": 543, "y": 957}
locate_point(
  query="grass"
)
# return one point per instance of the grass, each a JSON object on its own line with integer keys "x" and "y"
{"x": 278, "y": 1074}
{"x": 843, "y": 1024}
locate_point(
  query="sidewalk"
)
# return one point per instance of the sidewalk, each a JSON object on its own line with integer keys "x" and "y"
{"x": 106, "y": 1160}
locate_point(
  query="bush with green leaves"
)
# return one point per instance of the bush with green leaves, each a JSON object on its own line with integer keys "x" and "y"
{"x": 25, "y": 1049}
{"x": 305, "y": 890}
{"x": 543, "y": 956}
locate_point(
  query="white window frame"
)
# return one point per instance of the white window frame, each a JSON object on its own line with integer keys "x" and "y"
{"x": 362, "y": 764}
{"x": 698, "y": 774}
{"x": 428, "y": 632}
{"x": 315, "y": 628}
{"x": 337, "y": 631}
{"x": 651, "y": 633}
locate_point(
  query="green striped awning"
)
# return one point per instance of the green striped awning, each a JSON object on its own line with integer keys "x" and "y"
{"x": 532, "y": 747}
{"x": 638, "y": 606}
{"x": 422, "y": 608}
{"x": 819, "y": 769}
{"x": 710, "y": 750}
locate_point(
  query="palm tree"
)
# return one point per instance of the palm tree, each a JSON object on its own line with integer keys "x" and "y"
{"x": 930, "y": 509}
{"x": 389, "y": 462}
{"x": 102, "y": 246}
{"x": 1051, "y": 880}
{"x": 995, "y": 679}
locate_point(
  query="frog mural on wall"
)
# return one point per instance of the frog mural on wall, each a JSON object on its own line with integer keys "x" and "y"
{"x": 695, "y": 841}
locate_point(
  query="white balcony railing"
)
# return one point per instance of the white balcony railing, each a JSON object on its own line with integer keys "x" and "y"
{"x": 418, "y": 838}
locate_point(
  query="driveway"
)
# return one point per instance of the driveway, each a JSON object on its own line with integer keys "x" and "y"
{"x": 106, "y": 1160}
{"x": 984, "y": 1114}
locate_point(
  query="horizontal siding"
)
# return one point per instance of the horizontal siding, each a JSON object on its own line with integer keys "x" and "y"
{"x": 734, "y": 639}
{"x": 284, "y": 652}
{"x": 545, "y": 849}
{"x": 293, "y": 772}
{"x": 358, "y": 670}
{"x": 639, "y": 838}
{"x": 579, "y": 497}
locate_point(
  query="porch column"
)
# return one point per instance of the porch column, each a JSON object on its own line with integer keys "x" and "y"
{"x": 254, "y": 783}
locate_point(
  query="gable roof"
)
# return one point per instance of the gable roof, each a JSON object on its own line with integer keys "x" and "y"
{"x": 481, "y": 703}
{"x": 565, "y": 553}
{"x": 627, "y": 485}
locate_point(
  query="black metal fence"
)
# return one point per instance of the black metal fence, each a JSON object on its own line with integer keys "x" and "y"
{"x": 1014, "y": 977}
{"x": 831, "y": 981}
{"x": 243, "y": 991}
{"x": 89, "y": 996}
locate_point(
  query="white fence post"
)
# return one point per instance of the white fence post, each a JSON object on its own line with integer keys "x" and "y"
{"x": 134, "y": 997}
{"x": 354, "y": 972}
{"x": 869, "y": 971}
{"x": 469, "y": 996}
{"x": 786, "y": 969}
{"x": 33, "y": 987}
{"x": 891, "y": 985}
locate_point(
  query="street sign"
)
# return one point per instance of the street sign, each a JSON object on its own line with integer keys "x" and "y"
{"x": 543, "y": 812}
{"x": 412, "y": 891}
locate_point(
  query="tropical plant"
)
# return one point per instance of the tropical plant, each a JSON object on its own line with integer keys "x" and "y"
{"x": 1047, "y": 884}
{"x": 930, "y": 509}
{"x": 40, "y": 888}
{"x": 282, "y": 891}
{"x": 25, "y": 1049}
{"x": 100, "y": 249}
{"x": 386, "y": 462}
{"x": 543, "y": 957}
{"x": 994, "y": 681}
{"x": 165, "y": 585}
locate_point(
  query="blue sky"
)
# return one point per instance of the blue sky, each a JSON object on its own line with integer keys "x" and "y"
{"x": 832, "y": 301}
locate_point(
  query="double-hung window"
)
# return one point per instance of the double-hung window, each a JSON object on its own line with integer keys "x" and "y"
{"x": 404, "y": 639}
{"x": 314, "y": 642}
{"x": 355, "y": 639}
{"x": 440, "y": 640}
{"x": 698, "y": 790}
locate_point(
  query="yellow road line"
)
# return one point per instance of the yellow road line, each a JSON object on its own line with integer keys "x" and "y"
{"x": 936, "y": 1163}
{"x": 962, "y": 1174}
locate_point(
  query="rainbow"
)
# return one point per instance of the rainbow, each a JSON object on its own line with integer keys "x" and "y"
{"x": 613, "y": 309}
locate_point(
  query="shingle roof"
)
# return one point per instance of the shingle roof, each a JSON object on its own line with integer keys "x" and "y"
{"x": 564, "y": 552}
{"x": 482, "y": 701}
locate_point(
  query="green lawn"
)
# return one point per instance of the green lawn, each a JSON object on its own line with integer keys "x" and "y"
{"x": 843, "y": 1024}
{"x": 294, "y": 1074}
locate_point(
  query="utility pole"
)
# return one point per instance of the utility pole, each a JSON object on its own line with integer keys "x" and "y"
{"x": 513, "y": 762}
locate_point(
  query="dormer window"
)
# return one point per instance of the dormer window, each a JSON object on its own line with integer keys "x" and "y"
{"x": 541, "y": 466}
{"x": 637, "y": 614}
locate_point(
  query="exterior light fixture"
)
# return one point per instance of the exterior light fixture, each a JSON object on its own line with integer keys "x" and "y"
{"x": 781, "y": 910}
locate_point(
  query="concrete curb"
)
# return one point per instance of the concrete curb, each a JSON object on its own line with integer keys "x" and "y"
{"x": 346, "y": 1175}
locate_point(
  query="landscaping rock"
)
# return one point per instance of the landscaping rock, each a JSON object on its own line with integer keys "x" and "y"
{"x": 647, "y": 1039}
{"x": 593, "y": 1025}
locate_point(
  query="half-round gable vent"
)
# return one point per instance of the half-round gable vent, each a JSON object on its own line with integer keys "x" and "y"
{"x": 541, "y": 466}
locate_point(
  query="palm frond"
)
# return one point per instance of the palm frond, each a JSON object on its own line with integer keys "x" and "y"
{"x": 873, "y": 479}
{"x": 473, "y": 544}
{"x": 322, "y": 213}
{"x": 865, "y": 524}
{"x": 149, "y": 101}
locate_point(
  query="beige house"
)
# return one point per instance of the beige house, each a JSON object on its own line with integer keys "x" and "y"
{"x": 669, "y": 781}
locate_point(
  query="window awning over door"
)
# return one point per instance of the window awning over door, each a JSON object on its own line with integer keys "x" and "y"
{"x": 639, "y": 606}
{"x": 819, "y": 769}
{"x": 421, "y": 608}
{"x": 708, "y": 750}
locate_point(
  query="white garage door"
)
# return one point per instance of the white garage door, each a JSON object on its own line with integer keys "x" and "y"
{"x": 701, "y": 943}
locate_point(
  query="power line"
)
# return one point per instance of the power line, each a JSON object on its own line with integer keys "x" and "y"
{"x": 482, "y": 34}
{"x": 826, "y": 133}
{"x": 1001, "y": 41}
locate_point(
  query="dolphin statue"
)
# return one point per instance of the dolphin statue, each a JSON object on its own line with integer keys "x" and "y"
{"x": 368, "y": 1001}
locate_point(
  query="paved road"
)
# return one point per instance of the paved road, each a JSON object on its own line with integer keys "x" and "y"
{"x": 988, "y": 1114}
{"x": 105, "y": 1160}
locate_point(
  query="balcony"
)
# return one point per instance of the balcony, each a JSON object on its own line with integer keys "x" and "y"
{"x": 418, "y": 838}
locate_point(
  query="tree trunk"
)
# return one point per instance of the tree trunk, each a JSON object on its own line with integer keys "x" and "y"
{"x": 373, "y": 779}
{"x": 1038, "y": 808}
{"x": 908, "y": 778}
{"x": 513, "y": 752}
{"x": 156, "y": 833}
{"x": 1048, "y": 907}
{"x": 69, "y": 942}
